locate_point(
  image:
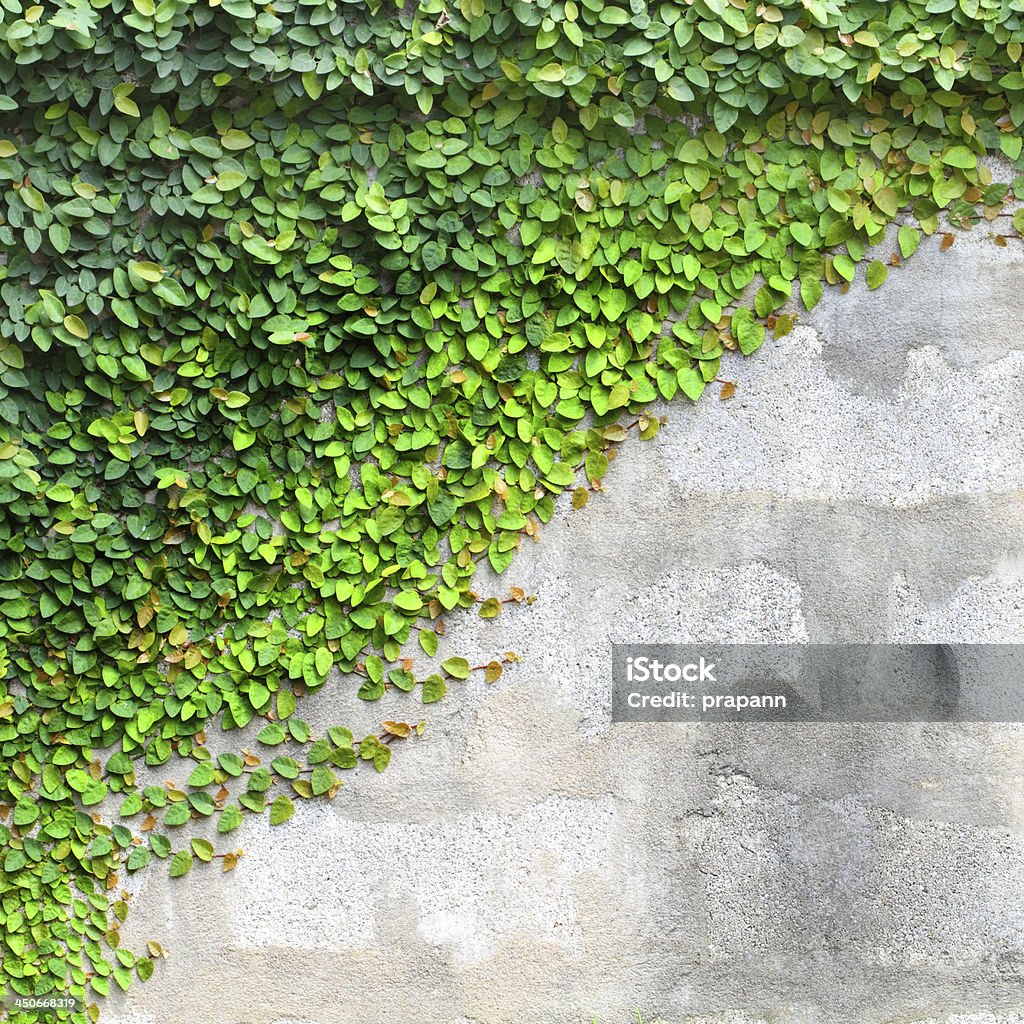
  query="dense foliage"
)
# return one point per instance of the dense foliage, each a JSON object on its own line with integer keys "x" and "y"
{"x": 307, "y": 308}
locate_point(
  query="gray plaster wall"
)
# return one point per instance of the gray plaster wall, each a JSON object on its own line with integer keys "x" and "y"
{"x": 527, "y": 862}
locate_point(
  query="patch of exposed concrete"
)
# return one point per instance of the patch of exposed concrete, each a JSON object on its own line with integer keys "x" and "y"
{"x": 527, "y": 862}
{"x": 972, "y": 319}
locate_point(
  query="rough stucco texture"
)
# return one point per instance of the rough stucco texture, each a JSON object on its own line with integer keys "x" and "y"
{"x": 527, "y": 862}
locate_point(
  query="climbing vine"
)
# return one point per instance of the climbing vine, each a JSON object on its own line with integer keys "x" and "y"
{"x": 306, "y": 309}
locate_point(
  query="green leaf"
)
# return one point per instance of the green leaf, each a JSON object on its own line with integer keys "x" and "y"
{"x": 181, "y": 864}
{"x": 457, "y": 668}
{"x": 228, "y": 180}
{"x": 242, "y": 439}
{"x": 138, "y": 859}
{"x": 545, "y": 251}
{"x": 146, "y": 270}
{"x": 691, "y": 383}
{"x": 959, "y": 156}
{"x": 234, "y": 139}
{"x": 323, "y": 660}
{"x": 701, "y": 215}
{"x": 75, "y": 325}
{"x": 877, "y": 272}
{"x": 202, "y": 774}
{"x": 281, "y": 810}
{"x": 261, "y": 249}
{"x": 748, "y": 332}
{"x": 272, "y": 735}
{"x": 909, "y": 239}
{"x": 434, "y": 689}
{"x": 428, "y": 641}
{"x": 811, "y": 291}
{"x": 885, "y": 199}
{"x": 94, "y": 793}
{"x": 203, "y": 849}
{"x": 322, "y": 780}
{"x": 177, "y": 814}
{"x": 230, "y": 818}
{"x": 60, "y": 237}
{"x": 160, "y": 845}
{"x": 170, "y": 292}
{"x": 127, "y": 105}
{"x": 443, "y": 509}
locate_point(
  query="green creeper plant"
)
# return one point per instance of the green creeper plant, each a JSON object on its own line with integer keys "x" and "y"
{"x": 308, "y": 308}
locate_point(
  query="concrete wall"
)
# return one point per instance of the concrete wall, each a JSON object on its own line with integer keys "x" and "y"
{"x": 527, "y": 862}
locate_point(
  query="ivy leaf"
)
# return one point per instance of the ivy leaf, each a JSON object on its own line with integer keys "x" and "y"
{"x": 145, "y": 270}
{"x": 691, "y": 383}
{"x": 443, "y": 509}
{"x": 877, "y": 272}
{"x": 322, "y": 780}
{"x": 170, "y": 291}
{"x": 94, "y": 793}
{"x": 230, "y": 818}
{"x": 203, "y": 849}
{"x": 138, "y": 859}
{"x": 909, "y": 239}
{"x": 181, "y": 864}
{"x": 281, "y": 810}
{"x": 127, "y": 105}
{"x": 242, "y": 439}
{"x": 261, "y": 249}
{"x": 434, "y": 689}
{"x": 272, "y": 735}
{"x": 74, "y": 325}
{"x": 959, "y": 156}
{"x": 457, "y": 668}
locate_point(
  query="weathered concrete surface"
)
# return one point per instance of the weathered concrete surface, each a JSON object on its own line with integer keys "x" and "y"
{"x": 529, "y": 863}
